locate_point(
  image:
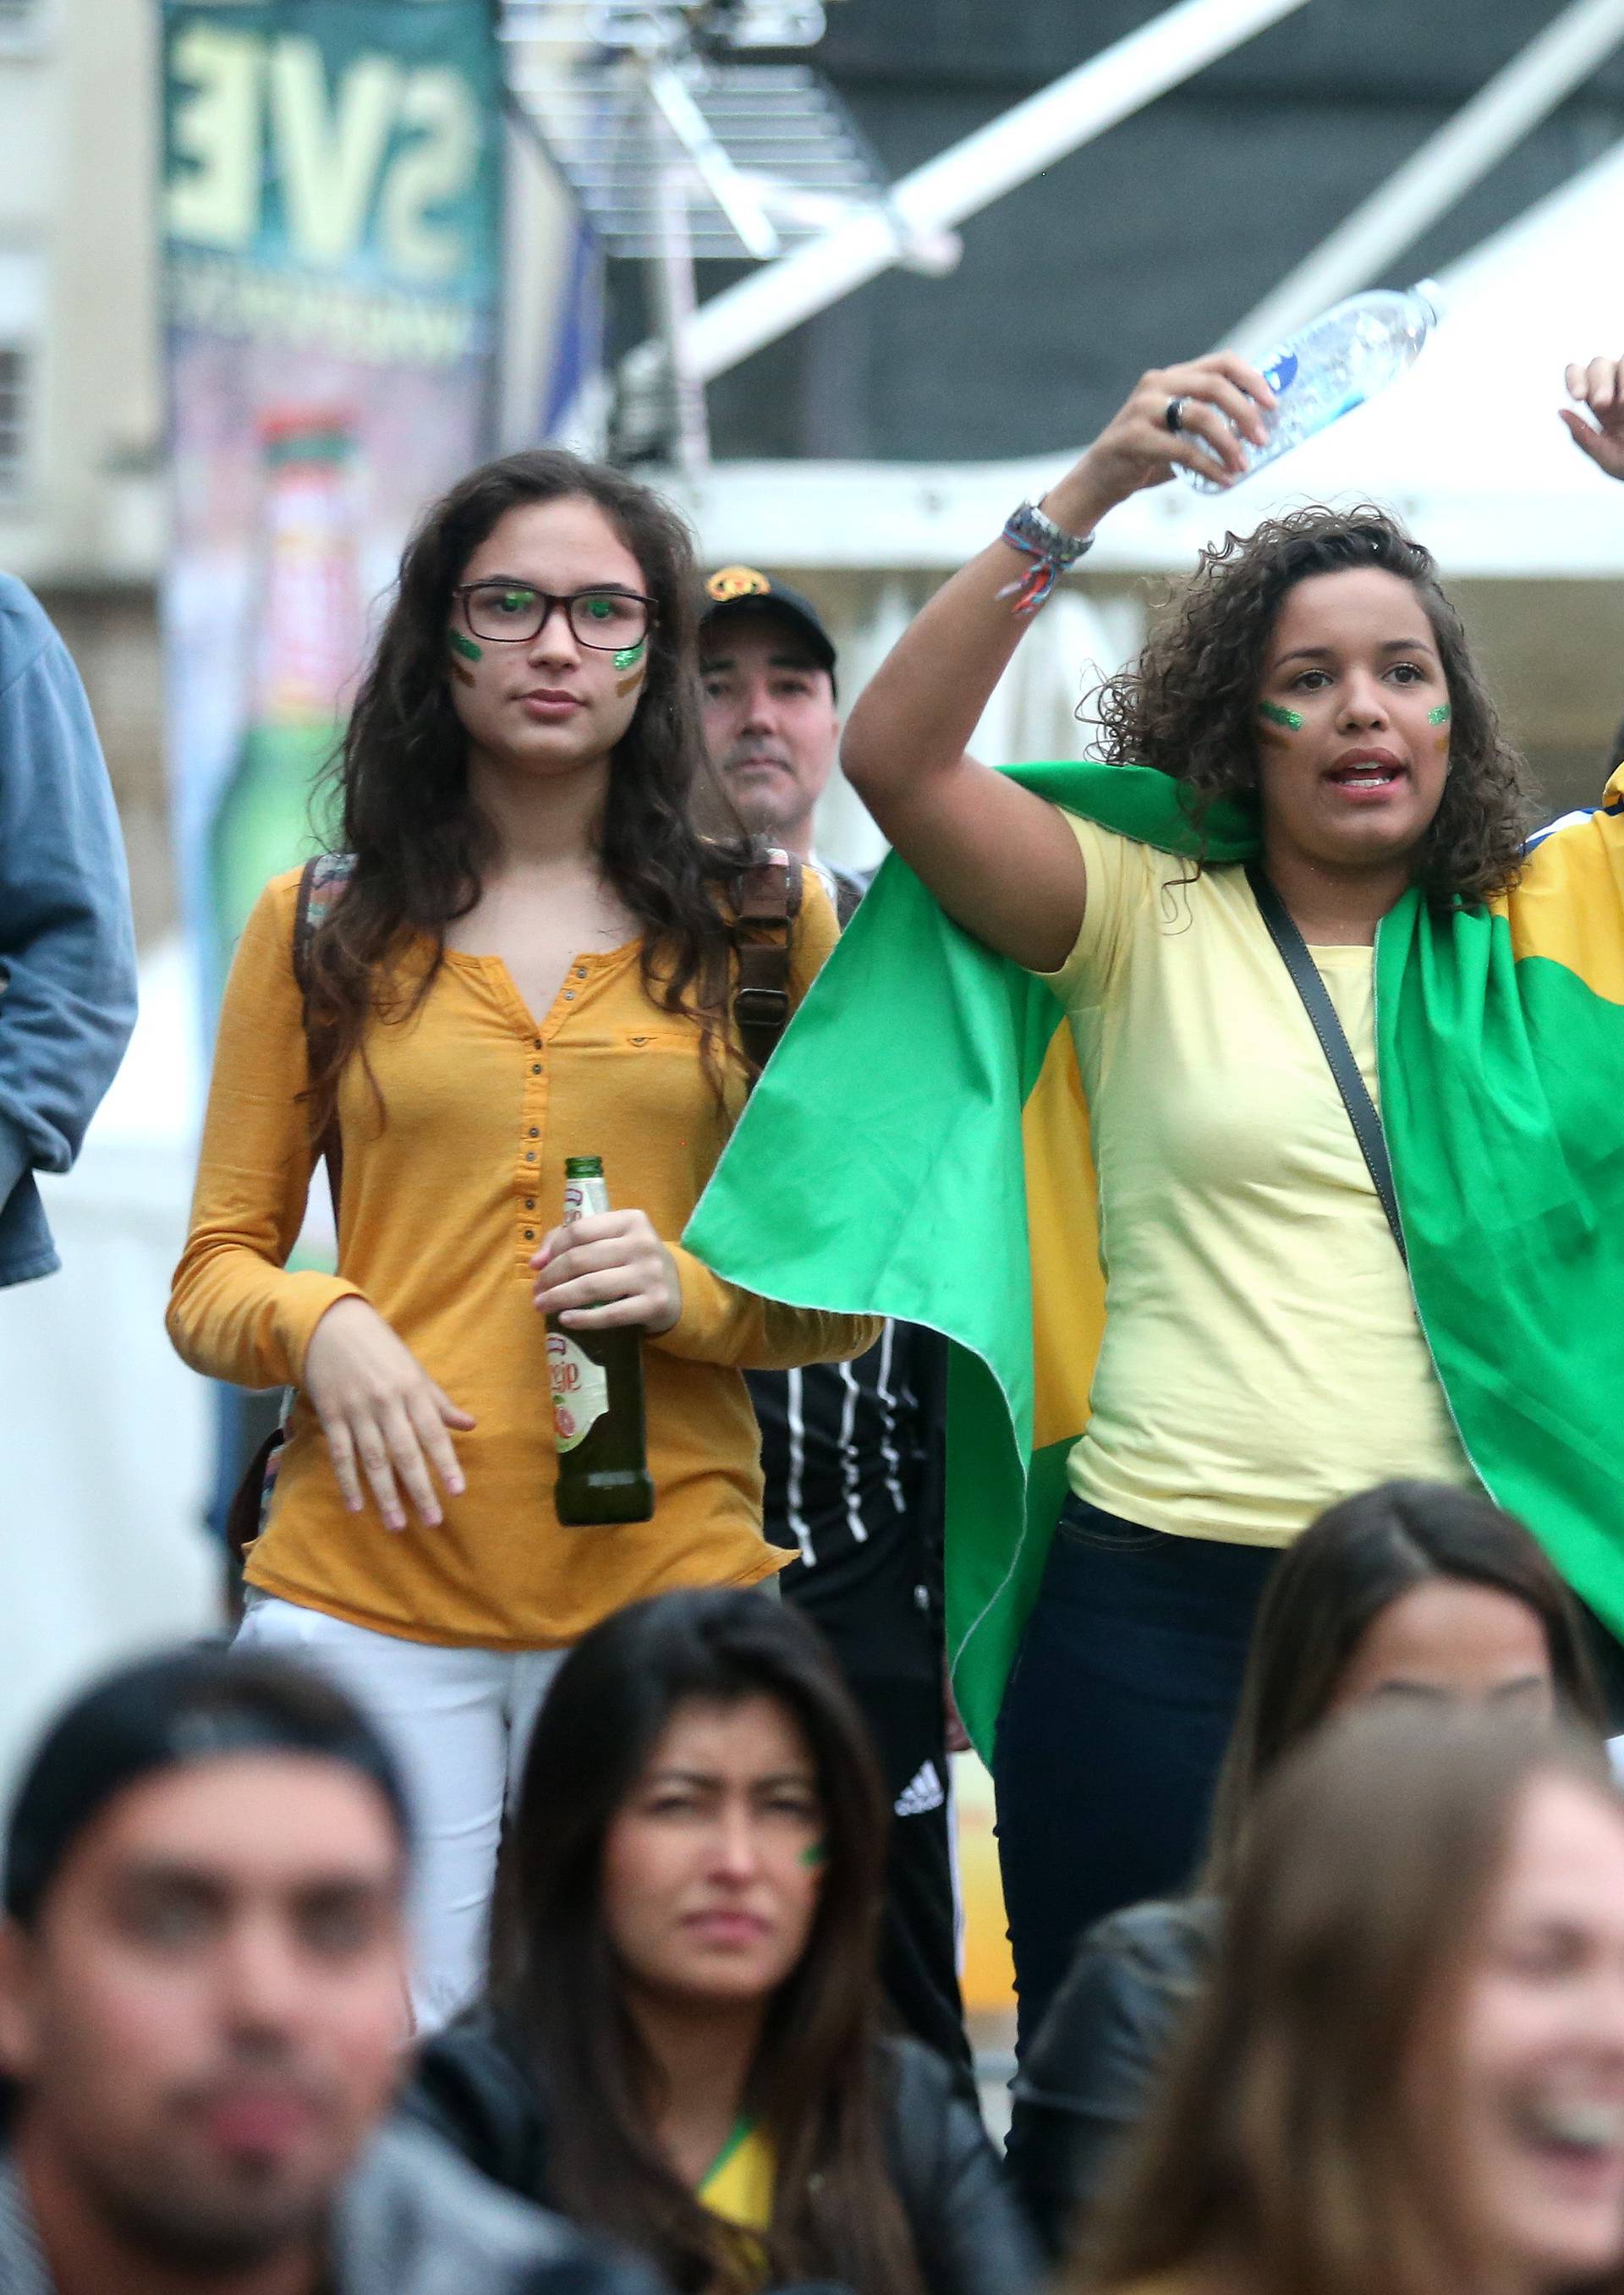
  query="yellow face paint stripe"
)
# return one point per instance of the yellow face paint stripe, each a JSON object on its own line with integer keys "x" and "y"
{"x": 634, "y": 658}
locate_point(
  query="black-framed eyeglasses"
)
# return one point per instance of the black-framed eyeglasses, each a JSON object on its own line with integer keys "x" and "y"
{"x": 511, "y": 613}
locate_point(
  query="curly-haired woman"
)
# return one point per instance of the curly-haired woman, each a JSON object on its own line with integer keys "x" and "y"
{"x": 1263, "y": 1355}
{"x": 532, "y": 956}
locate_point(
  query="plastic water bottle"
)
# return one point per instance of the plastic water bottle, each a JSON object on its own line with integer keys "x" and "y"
{"x": 1337, "y": 362}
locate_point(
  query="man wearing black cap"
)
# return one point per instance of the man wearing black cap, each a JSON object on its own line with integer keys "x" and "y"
{"x": 767, "y": 667}
{"x": 851, "y": 1452}
{"x": 203, "y": 2007}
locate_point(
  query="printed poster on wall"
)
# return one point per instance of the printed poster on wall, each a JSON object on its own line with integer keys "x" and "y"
{"x": 331, "y": 206}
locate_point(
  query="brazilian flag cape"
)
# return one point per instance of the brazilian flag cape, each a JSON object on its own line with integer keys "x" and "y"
{"x": 918, "y": 1147}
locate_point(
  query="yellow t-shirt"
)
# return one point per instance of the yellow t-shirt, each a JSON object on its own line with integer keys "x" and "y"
{"x": 442, "y": 1208}
{"x": 739, "y": 2184}
{"x": 1262, "y": 1356}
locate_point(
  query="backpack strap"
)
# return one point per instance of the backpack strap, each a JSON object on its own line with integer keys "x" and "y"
{"x": 320, "y": 882}
{"x": 767, "y": 898}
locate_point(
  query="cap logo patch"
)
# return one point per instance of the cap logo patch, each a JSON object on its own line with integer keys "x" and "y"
{"x": 737, "y": 582}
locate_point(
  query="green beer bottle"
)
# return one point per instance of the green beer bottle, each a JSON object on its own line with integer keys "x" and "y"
{"x": 597, "y": 1381}
{"x": 309, "y": 635}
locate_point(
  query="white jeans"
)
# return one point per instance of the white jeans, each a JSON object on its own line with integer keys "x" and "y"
{"x": 459, "y": 1722}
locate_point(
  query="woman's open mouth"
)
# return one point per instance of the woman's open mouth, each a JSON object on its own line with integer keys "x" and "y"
{"x": 1366, "y": 772}
{"x": 1578, "y": 2126}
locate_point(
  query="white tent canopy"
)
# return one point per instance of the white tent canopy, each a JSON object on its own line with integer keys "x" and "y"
{"x": 1467, "y": 447}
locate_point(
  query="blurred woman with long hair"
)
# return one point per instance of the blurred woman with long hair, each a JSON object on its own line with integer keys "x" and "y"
{"x": 1410, "y": 1592}
{"x": 1407, "y": 2073}
{"x": 529, "y": 953}
{"x": 679, "y": 2045}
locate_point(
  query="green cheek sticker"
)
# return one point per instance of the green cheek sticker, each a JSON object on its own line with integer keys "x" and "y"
{"x": 630, "y": 654}
{"x": 1290, "y": 718}
{"x": 466, "y": 647}
{"x": 1440, "y": 715}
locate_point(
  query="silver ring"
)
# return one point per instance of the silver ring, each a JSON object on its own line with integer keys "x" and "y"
{"x": 1174, "y": 416}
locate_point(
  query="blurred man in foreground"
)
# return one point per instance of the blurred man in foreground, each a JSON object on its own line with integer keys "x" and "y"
{"x": 203, "y": 2007}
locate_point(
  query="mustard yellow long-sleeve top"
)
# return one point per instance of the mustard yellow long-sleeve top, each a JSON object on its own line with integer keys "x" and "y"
{"x": 444, "y": 1203}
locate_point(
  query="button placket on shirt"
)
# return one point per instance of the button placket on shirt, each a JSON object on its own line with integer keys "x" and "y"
{"x": 533, "y": 1100}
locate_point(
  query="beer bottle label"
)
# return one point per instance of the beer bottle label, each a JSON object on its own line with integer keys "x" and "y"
{"x": 583, "y": 1199}
{"x": 580, "y": 1390}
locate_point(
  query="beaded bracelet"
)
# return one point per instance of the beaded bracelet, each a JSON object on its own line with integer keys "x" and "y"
{"x": 1035, "y": 534}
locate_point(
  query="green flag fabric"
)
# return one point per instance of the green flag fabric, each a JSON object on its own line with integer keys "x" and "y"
{"x": 918, "y": 1147}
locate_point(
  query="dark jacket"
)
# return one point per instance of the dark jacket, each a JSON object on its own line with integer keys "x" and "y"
{"x": 1086, "y": 2081}
{"x": 475, "y": 2089}
{"x": 409, "y": 2219}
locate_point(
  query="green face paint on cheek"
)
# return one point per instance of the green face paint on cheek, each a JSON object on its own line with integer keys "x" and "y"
{"x": 466, "y": 647}
{"x": 1289, "y": 718}
{"x": 629, "y": 653}
{"x": 812, "y": 1858}
{"x": 1440, "y": 715}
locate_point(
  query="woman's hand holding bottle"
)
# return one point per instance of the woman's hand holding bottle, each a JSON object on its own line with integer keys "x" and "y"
{"x": 606, "y": 1270}
{"x": 382, "y": 1415}
{"x": 1220, "y": 400}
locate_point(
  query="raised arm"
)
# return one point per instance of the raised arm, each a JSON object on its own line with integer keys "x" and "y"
{"x": 999, "y": 860}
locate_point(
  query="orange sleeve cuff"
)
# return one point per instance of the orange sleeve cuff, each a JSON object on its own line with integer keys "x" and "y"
{"x": 720, "y": 1323}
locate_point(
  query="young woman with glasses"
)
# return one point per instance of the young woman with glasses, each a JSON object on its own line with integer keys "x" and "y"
{"x": 530, "y": 955}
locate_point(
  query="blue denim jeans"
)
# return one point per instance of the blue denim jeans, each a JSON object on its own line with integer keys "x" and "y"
{"x": 1113, "y": 1730}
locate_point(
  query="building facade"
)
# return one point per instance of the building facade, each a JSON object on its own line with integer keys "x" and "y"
{"x": 80, "y": 402}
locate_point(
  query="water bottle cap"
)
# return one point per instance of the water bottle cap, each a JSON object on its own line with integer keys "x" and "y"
{"x": 1428, "y": 291}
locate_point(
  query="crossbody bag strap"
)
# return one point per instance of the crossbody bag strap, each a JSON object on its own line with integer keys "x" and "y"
{"x": 1332, "y": 1042}
{"x": 766, "y": 901}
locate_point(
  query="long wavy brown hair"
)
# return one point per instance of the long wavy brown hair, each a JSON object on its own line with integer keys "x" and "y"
{"x": 1188, "y": 705}
{"x": 817, "y": 2087}
{"x": 1289, "y": 2148}
{"x": 419, "y": 845}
